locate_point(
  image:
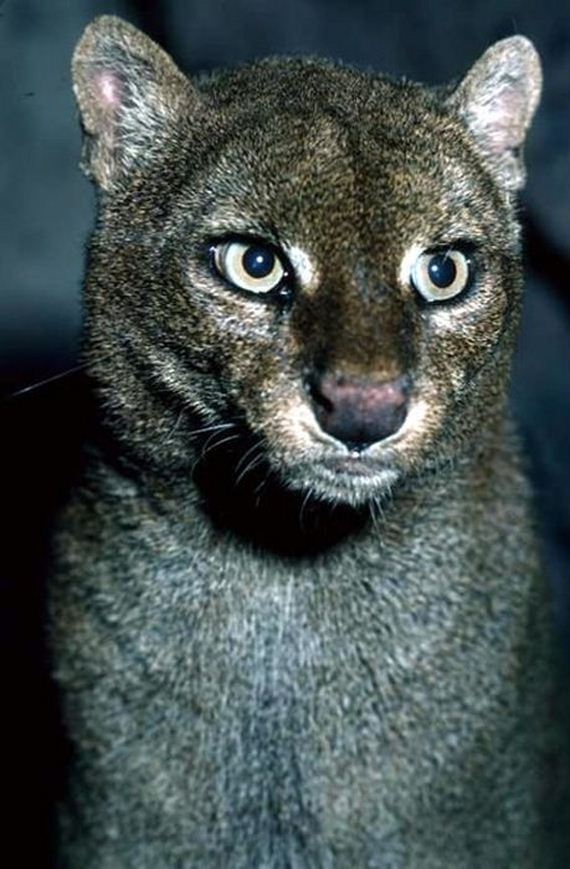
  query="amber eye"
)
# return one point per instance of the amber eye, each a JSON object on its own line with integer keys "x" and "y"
{"x": 441, "y": 275}
{"x": 249, "y": 266}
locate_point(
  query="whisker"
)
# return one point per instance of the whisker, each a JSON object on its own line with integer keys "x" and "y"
{"x": 258, "y": 491}
{"x": 246, "y": 454}
{"x": 53, "y": 378}
{"x": 256, "y": 460}
{"x": 216, "y": 444}
{"x": 206, "y": 449}
{"x": 206, "y": 428}
{"x": 173, "y": 429}
{"x": 260, "y": 486}
{"x": 374, "y": 510}
{"x": 212, "y": 439}
{"x": 46, "y": 381}
{"x": 303, "y": 507}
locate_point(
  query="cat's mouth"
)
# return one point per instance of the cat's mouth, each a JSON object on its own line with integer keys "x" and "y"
{"x": 354, "y": 464}
{"x": 345, "y": 479}
{"x": 287, "y": 444}
{"x": 348, "y": 472}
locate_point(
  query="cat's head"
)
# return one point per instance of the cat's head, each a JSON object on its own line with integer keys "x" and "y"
{"x": 322, "y": 258}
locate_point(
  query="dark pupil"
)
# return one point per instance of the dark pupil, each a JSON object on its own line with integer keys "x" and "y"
{"x": 258, "y": 262}
{"x": 441, "y": 270}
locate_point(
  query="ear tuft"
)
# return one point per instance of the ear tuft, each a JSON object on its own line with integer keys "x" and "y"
{"x": 497, "y": 100}
{"x": 129, "y": 93}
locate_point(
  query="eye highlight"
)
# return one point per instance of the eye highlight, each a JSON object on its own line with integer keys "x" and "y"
{"x": 250, "y": 266}
{"x": 441, "y": 275}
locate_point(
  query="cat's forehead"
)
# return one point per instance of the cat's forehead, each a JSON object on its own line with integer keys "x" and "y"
{"x": 312, "y": 117}
{"x": 309, "y": 89}
{"x": 298, "y": 82}
{"x": 302, "y": 144}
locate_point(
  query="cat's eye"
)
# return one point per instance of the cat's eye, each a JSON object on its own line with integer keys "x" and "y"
{"x": 250, "y": 266}
{"x": 441, "y": 275}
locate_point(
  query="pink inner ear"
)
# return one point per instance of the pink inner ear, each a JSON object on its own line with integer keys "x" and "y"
{"x": 498, "y": 118}
{"x": 108, "y": 89}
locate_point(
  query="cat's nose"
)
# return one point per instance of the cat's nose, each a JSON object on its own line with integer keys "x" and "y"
{"x": 358, "y": 411}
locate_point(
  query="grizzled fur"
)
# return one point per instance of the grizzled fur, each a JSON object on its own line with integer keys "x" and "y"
{"x": 273, "y": 653}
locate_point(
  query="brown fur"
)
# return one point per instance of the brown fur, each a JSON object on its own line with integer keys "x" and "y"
{"x": 272, "y": 654}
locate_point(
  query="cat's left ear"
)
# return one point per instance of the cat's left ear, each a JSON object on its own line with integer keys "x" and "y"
{"x": 131, "y": 97}
{"x": 497, "y": 100}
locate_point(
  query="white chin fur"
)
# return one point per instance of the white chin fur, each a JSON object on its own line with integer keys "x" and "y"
{"x": 343, "y": 488}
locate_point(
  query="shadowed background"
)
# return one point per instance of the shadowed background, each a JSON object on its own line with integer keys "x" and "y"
{"x": 47, "y": 205}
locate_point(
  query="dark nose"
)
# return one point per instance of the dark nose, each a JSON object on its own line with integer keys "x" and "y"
{"x": 359, "y": 412}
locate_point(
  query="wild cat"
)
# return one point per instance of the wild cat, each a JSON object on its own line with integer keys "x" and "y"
{"x": 297, "y": 616}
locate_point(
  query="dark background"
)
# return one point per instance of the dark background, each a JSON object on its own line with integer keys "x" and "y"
{"x": 47, "y": 209}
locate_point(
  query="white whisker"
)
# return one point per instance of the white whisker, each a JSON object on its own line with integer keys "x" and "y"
{"x": 52, "y": 379}
{"x": 172, "y": 431}
{"x": 216, "y": 444}
{"x": 303, "y": 507}
{"x": 211, "y": 428}
{"x": 250, "y": 466}
{"x": 246, "y": 454}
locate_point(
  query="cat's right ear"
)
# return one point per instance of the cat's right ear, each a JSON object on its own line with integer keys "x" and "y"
{"x": 497, "y": 100}
{"x": 130, "y": 96}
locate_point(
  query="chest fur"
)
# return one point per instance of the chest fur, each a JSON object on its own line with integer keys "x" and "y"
{"x": 260, "y": 699}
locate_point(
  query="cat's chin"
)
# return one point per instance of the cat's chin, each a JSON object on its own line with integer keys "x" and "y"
{"x": 348, "y": 481}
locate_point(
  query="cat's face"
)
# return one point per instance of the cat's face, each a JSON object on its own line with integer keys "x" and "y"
{"x": 319, "y": 256}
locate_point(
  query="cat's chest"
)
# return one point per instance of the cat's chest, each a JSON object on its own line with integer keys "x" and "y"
{"x": 253, "y": 698}
{"x": 240, "y": 632}
{"x": 279, "y": 703}
{"x": 260, "y": 656}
